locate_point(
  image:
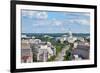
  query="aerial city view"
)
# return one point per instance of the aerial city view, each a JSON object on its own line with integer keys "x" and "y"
{"x": 49, "y": 36}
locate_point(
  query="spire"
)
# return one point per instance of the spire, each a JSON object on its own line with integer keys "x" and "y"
{"x": 69, "y": 33}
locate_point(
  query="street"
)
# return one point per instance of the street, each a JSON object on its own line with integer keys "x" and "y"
{"x": 60, "y": 56}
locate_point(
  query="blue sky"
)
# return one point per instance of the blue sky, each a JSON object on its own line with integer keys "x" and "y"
{"x": 54, "y": 22}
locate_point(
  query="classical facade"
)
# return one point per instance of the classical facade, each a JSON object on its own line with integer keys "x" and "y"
{"x": 43, "y": 51}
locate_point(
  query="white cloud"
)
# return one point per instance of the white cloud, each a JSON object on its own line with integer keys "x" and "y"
{"x": 77, "y": 13}
{"x": 42, "y": 23}
{"x": 63, "y": 29}
{"x": 77, "y": 21}
{"x": 29, "y": 14}
{"x": 82, "y": 21}
{"x": 41, "y": 15}
{"x": 42, "y": 18}
{"x": 56, "y": 22}
{"x": 86, "y": 14}
{"x": 35, "y": 14}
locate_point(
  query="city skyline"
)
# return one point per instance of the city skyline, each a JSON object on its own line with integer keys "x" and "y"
{"x": 54, "y": 22}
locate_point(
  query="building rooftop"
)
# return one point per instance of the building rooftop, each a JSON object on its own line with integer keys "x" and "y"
{"x": 82, "y": 51}
{"x": 25, "y": 46}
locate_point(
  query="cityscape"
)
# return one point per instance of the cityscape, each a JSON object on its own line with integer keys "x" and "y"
{"x": 54, "y": 36}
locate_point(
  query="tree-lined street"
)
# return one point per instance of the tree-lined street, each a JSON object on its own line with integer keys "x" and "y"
{"x": 60, "y": 56}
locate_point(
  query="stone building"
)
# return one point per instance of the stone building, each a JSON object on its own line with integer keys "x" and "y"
{"x": 43, "y": 51}
{"x": 26, "y": 52}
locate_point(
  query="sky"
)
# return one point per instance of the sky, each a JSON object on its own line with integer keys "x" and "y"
{"x": 54, "y": 22}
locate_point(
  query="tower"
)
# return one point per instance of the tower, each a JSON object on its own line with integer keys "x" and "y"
{"x": 69, "y": 33}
